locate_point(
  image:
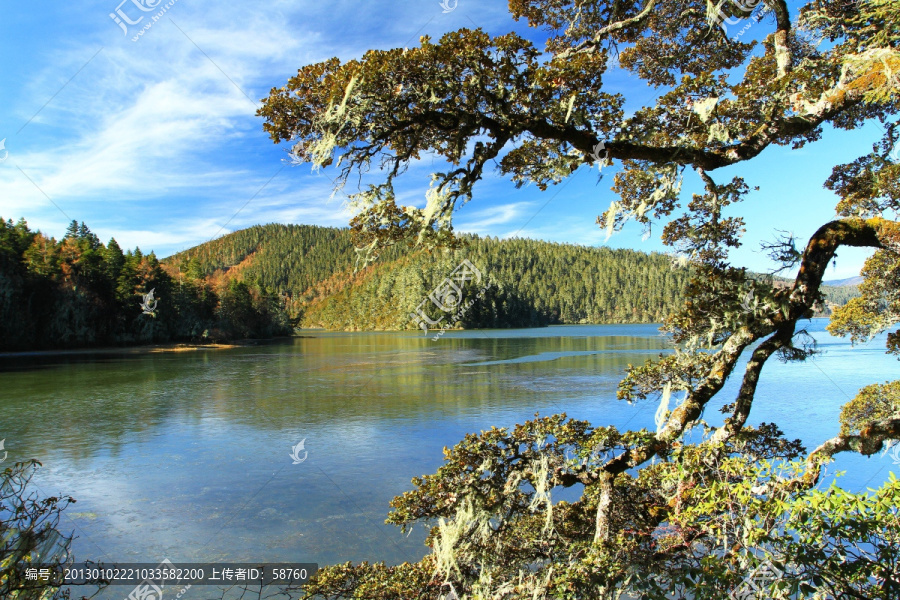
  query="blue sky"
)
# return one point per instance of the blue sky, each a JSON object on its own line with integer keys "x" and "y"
{"x": 155, "y": 142}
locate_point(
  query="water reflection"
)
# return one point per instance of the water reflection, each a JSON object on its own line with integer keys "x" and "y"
{"x": 187, "y": 455}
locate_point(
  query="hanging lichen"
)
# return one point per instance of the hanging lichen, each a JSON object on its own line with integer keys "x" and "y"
{"x": 328, "y": 123}
{"x": 435, "y": 213}
{"x": 611, "y": 219}
{"x": 662, "y": 412}
{"x": 705, "y": 108}
{"x": 718, "y": 132}
{"x": 569, "y": 109}
{"x": 541, "y": 497}
{"x": 469, "y": 526}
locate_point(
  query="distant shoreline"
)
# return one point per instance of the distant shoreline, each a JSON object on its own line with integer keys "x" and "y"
{"x": 142, "y": 349}
{"x": 181, "y": 347}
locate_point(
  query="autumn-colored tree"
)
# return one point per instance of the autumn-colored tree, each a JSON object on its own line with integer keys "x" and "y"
{"x": 657, "y": 518}
{"x": 78, "y": 292}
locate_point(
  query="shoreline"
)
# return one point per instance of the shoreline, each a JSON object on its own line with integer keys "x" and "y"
{"x": 142, "y": 349}
{"x": 185, "y": 347}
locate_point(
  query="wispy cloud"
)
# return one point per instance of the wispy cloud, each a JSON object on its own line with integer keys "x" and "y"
{"x": 156, "y": 142}
{"x": 486, "y": 221}
{"x": 169, "y": 122}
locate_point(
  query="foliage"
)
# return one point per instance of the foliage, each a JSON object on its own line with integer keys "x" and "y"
{"x": 872, "y": 403}
{"x": 78, "y": 292}
{"x": 284, "y": 261}
{"x": 694, "y": 524}
{"x": 878, "y": 305}
{"x": 657, "y": 516}
{"x": 29, "y": 535}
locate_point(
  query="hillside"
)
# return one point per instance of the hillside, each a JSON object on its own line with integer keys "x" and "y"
{"x": 525, "y": 282}
{"x": 288, "y": 261}
{"x": 848, "y": 282}
{"x": 528, "y": 283}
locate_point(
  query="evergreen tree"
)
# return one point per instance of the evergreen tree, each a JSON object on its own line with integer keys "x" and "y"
{"x": 114, "y": 260}
{"x": 72, "y": 230}
{"x": 77, "y": 292}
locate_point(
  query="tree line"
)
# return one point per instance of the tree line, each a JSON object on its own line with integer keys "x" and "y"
{"x": 78, "y": 292}
{"x": 261, "y": 281}
{"x": 529, "y": 283}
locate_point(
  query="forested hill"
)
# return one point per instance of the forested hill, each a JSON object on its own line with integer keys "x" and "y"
{"x": 280, "y": 258}
{"x": 526, "y": 282}
{"x": 77, "y": 292}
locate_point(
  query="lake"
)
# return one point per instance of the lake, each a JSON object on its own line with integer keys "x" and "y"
{"x": 188, "y": 456}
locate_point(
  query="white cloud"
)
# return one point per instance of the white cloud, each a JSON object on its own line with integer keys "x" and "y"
{"x": 156, "y": 143}
{"x": 167, "y": 120}
{"x": 484, "y": 221}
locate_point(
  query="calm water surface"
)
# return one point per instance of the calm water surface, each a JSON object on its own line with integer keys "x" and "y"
{"x": 186, "y": 456}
